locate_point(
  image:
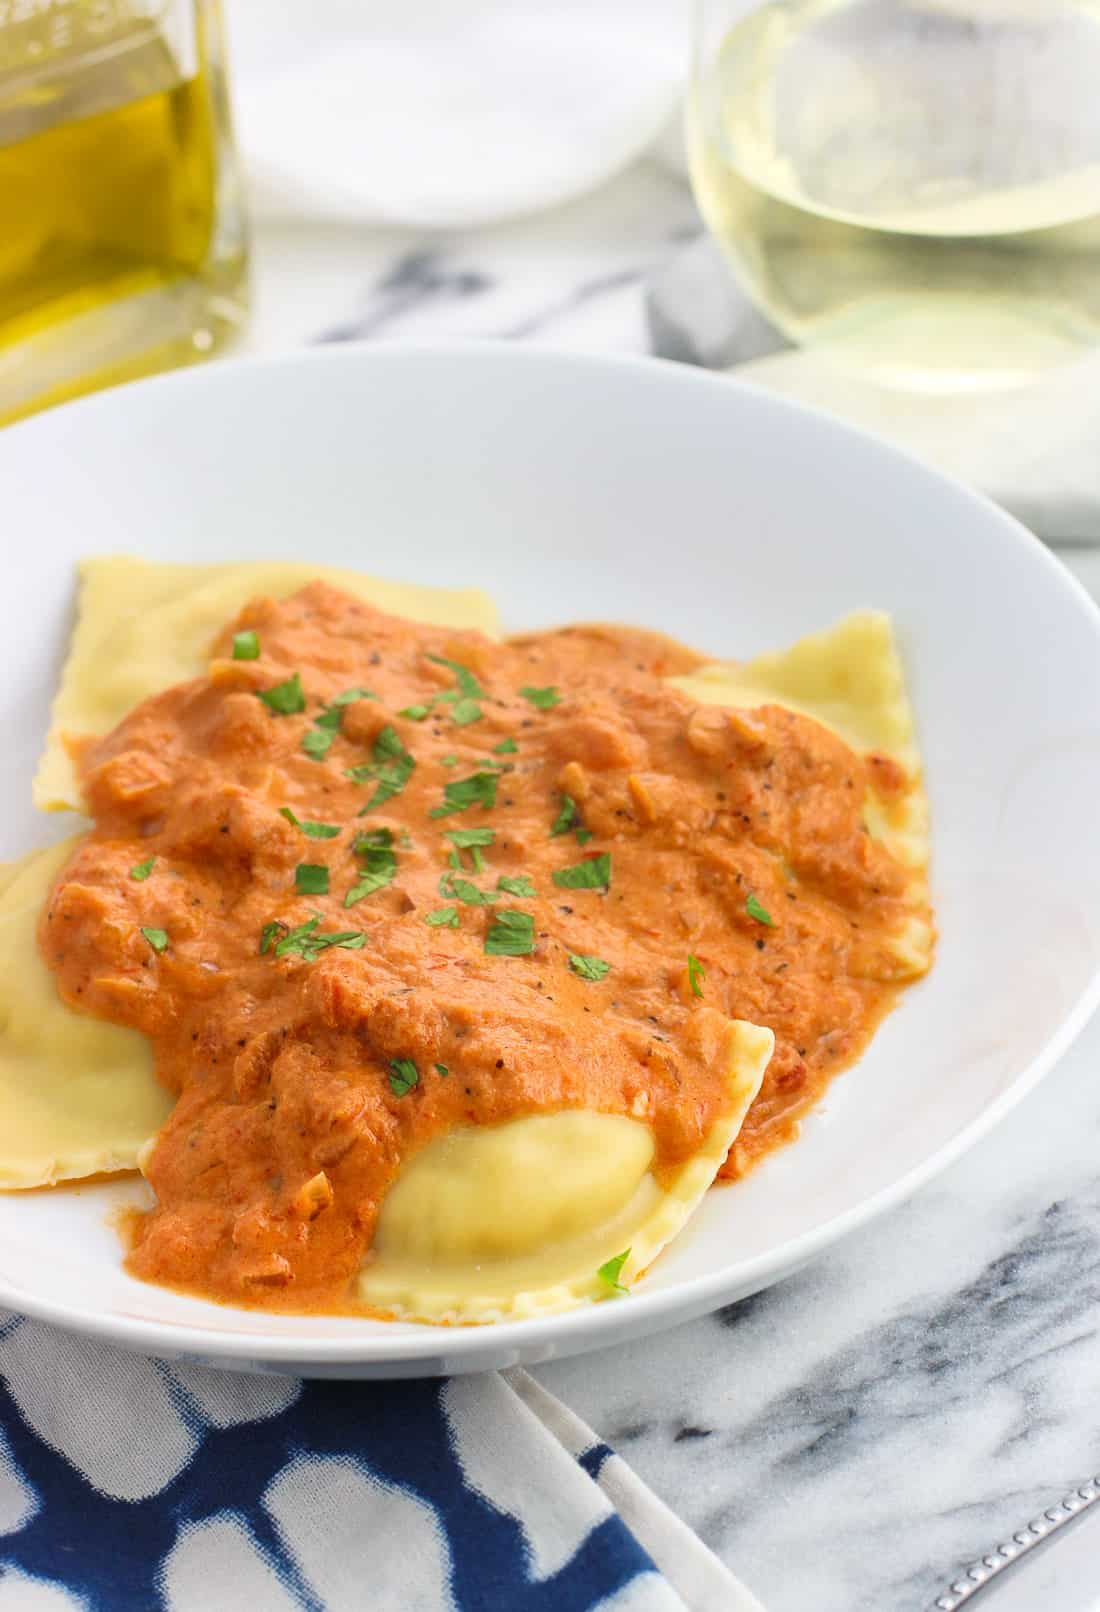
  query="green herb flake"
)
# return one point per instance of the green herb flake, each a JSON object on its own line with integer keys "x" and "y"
{"x": 285, "y": 699}
{"x": 304, "y": 941}
{"x": 372, "y": 839}
{"x": 463, "y": 890}
{"x": 329, "y": 717}
{"x": 761, "y": 914}
{"x": 463, "y": 712}
{"x": 480, "y": 789}
{"x": 375, "y": 846}
{"x": 566, "y": 817}
{"x": 464, "y": 838}
{"x": 448, "y": 761}
{"x": 611, "y": 1270}
{"x": 380, "y": 871}
{"x": 442, "y": 918}
{"x": 583, "y": 836}
{"x": 415, "y": 713}
{"x": 511, "y": 933}
{"x": 157, "y": 938}
{"x": 390, "y": 770}
{"x": 317, "y": 742}
{"x": 246, "y": 645}
{"x": 404, "y": 1075}
{"x": 269, "y": 932}
{"x": 349, "y": 697}
{"x": 141, "y": 870}
{"x": 311, "y": 879}
{"x": 541, "y": 698}
{"x": 589, "y": 968}
{"x": 312, "y": 831}
{"x": 595, "y": 874}
{"x": 468, "y": 685}
{"x": 441, "y": 1069}
{"x": 506, "y": 747}
{"x": 696, "y": 974}
{"x": 516, "y": 885}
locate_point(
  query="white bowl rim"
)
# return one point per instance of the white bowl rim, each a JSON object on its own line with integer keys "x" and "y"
{"x": 642, "y": 1311}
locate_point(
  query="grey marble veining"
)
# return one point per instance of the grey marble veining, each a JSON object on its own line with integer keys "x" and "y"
{"x": 851, "y": 1437}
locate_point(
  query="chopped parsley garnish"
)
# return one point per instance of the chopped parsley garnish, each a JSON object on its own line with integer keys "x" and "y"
{"x": 583, "y": 836}
{"x": 516, "y": 885}
{"x": 285, "y": 699}
{"x": 317, "y": 742}
{"x": 480, "y": 789}
{"x": 611, "y": 1270}
{"x": 404, "y": 1075}
{"x": 391, "y": 768}
{"x": 141, "y": 870}
{"x": 589, "y": 968}
{"x": 448, "y": 761}
{"x": 541, "y": 698}
{"x": 376, "y": 849}
{"x": 313, "y": 831}
{"x": 304, "y": 941}
{"x": 511, "y": 933}
{"x": 370, "y": 839}
{"x": 442, "y": 918}
{"x": 441, "y": 1069}
{"x": 506, "y": 747}
{"x": 246, "y": 645}
{"x": 415, "y": 713}
{"x": 696, "y": 974}
{"x": 269, "y": 932}
{"x": 349, "y": 697}
{"x": 157, "y": 938}
{"x": 761, "y": 914}
{"x": 565, "y": 819}
{"x": 463, "y": 712}
{"x": 464, "y": 838}
{"x": 311, "y": 879}
{"x": 595, "y": 874}
{"x": 450, "y": 885}
{"x": 468, "y": 685}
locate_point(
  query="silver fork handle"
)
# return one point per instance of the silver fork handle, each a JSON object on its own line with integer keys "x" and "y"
{"x": 980, "y": 1572}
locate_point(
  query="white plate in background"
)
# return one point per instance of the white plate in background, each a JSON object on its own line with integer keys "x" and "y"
{"x": 577, "y": 487}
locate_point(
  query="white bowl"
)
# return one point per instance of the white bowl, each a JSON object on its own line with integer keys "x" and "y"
{"x": 580, "y": 487}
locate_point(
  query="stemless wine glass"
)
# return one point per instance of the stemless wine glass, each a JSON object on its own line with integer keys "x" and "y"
{"x": 912, "y": 186}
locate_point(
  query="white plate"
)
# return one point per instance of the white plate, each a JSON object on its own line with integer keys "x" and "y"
{"x": 577, "y": 487}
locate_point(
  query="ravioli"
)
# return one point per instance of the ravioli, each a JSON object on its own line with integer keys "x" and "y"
{"x": 511, "y": 1221}
{"x": 849, "y": 678}
{"x": 78, "y": 1096}
{"x": 143, "y": 626}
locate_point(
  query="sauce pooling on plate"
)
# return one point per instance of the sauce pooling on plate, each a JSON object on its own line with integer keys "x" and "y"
{"x": 368, "y": 881}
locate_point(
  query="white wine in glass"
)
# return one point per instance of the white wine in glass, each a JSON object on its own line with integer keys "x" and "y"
{"x": 912, "y": 186}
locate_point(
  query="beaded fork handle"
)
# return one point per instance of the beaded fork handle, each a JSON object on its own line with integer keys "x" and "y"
{"x": 975, "y": 1577}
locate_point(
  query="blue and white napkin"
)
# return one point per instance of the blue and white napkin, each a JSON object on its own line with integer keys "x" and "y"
{"x": 130, "y": 1485}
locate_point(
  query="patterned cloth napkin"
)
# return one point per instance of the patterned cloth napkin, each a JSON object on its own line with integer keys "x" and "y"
{"x": 128, "y": 1483}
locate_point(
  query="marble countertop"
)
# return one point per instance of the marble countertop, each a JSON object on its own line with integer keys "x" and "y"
{"x": 849, "y": 1439}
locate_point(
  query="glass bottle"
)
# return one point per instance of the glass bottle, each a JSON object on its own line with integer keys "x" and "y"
{"x": 122, "y": 236}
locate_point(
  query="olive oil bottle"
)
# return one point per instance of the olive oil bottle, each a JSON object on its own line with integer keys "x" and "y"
{"x": 122, "y": 238}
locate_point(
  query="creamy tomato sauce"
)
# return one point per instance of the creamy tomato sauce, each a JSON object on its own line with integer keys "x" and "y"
{"x": 325, "y": 1000}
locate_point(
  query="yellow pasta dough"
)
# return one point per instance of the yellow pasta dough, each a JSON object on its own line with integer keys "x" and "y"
{"x": 77, "y": 1096}
{"x": 850, "y": 679}
{"x": 143, "y": 625}
{"x": 515, "y": 1220}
